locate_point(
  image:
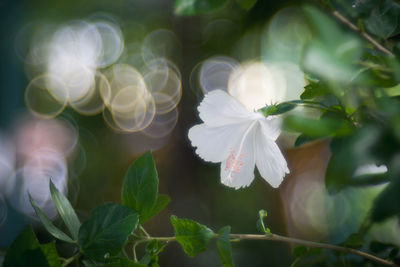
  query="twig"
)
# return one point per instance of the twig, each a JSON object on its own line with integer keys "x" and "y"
{"x": 363, "y": 34}
{"x": 143, "y": 230}
{"x": 279, "y": 238}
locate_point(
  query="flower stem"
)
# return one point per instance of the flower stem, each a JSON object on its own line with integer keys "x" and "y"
{"x": 279, "y": 238}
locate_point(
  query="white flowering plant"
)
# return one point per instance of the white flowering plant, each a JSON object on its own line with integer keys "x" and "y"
{"x": 352, "y": 84}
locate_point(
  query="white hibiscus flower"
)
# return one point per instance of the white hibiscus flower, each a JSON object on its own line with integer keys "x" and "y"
{"x": 239, "y": 139}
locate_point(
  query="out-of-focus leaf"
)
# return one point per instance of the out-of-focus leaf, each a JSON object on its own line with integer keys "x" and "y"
{"x": 383, "y": 20}
{"x": 341, "y": 166}
{"x": 369, "y": 179}
{"x": 54, "y": 231}
{"x": 378, "y": 247}
{"x": 303, "y": 139}
{"x": 26, "y": 251}
{"x": 393, "y": 253}
{"x": 299, "y": 251}
{"x": 392, "y": 91}
{"x": 385, "y": 204}
{"x": 314, "y": 90}
{"x": 224, "y": 247}
{"x": 66, "y": 211}
{"x": 324, "y": 26}
{"x": 140, "y": 186}
{"x": 377, "y": 69}
{"x": 192, "y": 236}
{"x": 50, "y": 252}
{"x": 195, "y": 7}
{"x": 318, "y": 128}
{"x": 331, "y": 64}
{"x": 246, "y": 4}
{"x": 366, "y": 145}
{"x": 331, "y": 54}
{"x": 106, "y": 231}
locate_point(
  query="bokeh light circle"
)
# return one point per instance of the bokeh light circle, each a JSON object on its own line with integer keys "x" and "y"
{"x": 41, "y": 101}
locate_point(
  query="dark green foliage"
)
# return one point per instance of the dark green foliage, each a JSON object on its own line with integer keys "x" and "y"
{"x": 303, "y": 139}
{"x": 54, "y": 231}
{"x": 192, "y": 236}
{"x": 106, "y": 232}
{"x": 150, "y": 257}
{"x": 314, "y": 90}
{"x": 26, "y": 251}
{"x": 65, "y": 211}
{"x": 322, "y": 127}
{"x": 140, "y": 188}
{"x": 224, "y": 247}
{"x": 384, "y": 206}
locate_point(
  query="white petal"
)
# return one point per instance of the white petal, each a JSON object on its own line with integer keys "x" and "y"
{"x": 219, "y": 108}
{"x": 269, "y": 159}
{"x": 271, "y": 126}
{"x": 214, "y": 143}
{"x": 237, "y": 170}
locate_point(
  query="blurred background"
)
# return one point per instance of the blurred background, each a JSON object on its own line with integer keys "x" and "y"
{"x": 88, "y": 86}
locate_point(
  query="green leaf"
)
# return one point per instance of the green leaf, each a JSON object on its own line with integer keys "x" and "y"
{"x": 140, "y": 186}
{"x": 303, "y": 139}
{"x": 195, "y": 7}
{"x": 50, "y": 252}
{"x": 192, "y": 236}
{"x": 153, "y": 248}
{"x": 314, "y": 90}
{"x": 331, "y": 53}
{"x": 331, "y": 63}
{"x": 26, "y": 251}
{"x": 341, "y": 165}
{"x": 383, "y": 20}
{"x": 383, "y": 206}
{"x": 162, "y": 201}
{"x": 246, "y": 4}
{"x": 123, "y": 262}
{"x": 260, "y": 222}
{"x": 224, "y": 247}
{"x": 54, "y": 231}
{"x": 66, "y": 211}
{"x": 107, "y": 230}
{"x": 323, "y": 26}
{"x": 318, "y": 128}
